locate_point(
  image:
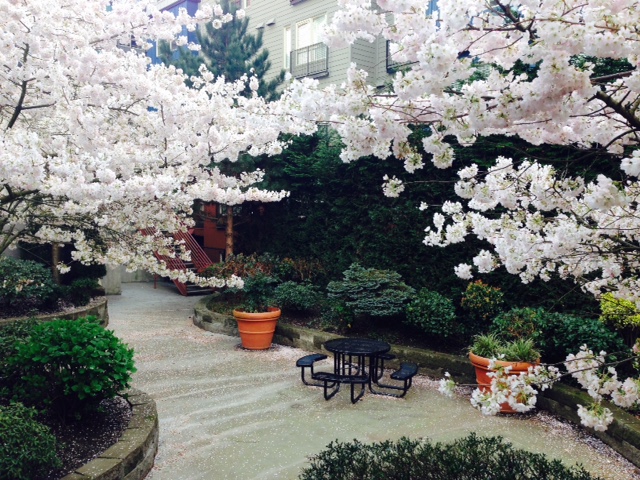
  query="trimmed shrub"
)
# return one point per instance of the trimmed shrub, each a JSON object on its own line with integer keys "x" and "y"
{"x": 569, "y": 333}
{"x": 27, "y": 448}
{"x": 71, "y": 365}
{"x": 367, "y": 291}
{"x": 297, "y": 297}
{"x": 469, "y": 458}
{"x": 556, "y": 334}
{"x": 522, "y": 323}
{"x": 623, "y": 315}
{"x": 25, "y": 285}
{"x": 481, "y": 303}
{"x": 433, "y": 313}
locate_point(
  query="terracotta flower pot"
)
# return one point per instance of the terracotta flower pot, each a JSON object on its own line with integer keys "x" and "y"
{"x": 481, "y": 365}
{"x": 257, "y": 329}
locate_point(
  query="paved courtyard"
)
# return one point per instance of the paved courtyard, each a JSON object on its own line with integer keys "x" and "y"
{"x": 226, "y": 413}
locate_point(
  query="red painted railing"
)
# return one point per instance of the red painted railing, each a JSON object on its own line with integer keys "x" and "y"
{"x": 199, "y": 258}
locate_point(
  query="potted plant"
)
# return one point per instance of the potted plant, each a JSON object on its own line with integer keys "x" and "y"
{"x": 257, "y": 317}
{"x": 519, "y": 354}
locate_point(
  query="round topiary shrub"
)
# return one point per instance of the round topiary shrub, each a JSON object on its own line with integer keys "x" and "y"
{"x": 71, "y": 365}
{"x": 27, "y": 448}
{"x": 469, "y": 458}
{"x": 372, "y": 292}
{"x": 433, "y": 313}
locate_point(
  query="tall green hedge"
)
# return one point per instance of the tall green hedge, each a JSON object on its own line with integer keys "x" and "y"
{"x": 337, "y": 213}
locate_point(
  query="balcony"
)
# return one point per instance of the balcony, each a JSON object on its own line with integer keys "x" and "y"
{"x": 311, "y": 61}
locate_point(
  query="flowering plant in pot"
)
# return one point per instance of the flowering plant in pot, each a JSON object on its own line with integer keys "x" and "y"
{"x": 496, "y": 362}
{"x": 257, "y": 317}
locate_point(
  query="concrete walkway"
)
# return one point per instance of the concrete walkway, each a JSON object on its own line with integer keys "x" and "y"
{"x": 226, "y": 413}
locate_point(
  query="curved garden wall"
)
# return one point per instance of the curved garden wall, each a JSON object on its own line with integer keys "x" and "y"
{"x": 623, "y": 435}
{"x": 97, "y": 307}
{"x": 132, "y": 457}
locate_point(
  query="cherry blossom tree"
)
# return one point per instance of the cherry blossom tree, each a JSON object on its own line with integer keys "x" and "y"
{"x": 98, "y": 146}
{"x": 517, "y": 68}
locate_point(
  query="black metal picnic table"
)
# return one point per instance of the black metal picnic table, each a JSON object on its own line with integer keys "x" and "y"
{"x": 357, "y": 361}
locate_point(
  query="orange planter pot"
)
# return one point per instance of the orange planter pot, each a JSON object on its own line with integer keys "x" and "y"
{"x": 481, "y": 365}
{"x": 257, "y": 329}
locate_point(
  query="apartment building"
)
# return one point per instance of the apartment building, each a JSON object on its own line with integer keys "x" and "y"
{"x": 291, "y": 33}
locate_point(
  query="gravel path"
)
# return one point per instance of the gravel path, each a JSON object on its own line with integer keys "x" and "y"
{"x": 226, "y": 413}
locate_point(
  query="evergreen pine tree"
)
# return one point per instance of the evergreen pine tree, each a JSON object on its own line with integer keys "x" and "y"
{"x": 230, "y": 51}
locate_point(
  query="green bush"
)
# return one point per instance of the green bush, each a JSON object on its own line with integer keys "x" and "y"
{"x": 10, "y": 336}
{"x": 337, "y": 316}
{"x": 297, "y": 297}
{"x": 469, "y": 458}
{"x": 480, "y": 303}
{"x": 81, "y": 291}
{"x": 367, "y": 291}
{"x": 25, "y": 285}
{"x": 257, "y": 294}
{"x": 27, "y": 448}
{"x": 556, "y": 334}
{"x": 433, "y": 313}
{"x": 623, "y": 315}
{"x": 569, "y": 333}
{"x": 71, "y": 365}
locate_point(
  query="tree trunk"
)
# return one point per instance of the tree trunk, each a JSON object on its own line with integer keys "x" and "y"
{"x": 56, "y": 250}
{"x": 229, "y": 232}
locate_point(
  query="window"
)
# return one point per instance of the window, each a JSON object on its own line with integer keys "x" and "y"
{"x": 241, "y": 3}
{"x": 287, "y": 47}
{"x": 310, "y": 55}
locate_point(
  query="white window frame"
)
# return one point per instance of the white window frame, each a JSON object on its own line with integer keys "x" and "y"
{"x": 287, "y": 47}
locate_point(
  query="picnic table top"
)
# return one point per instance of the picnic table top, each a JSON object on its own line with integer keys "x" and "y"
{"x": 357, "y": 346}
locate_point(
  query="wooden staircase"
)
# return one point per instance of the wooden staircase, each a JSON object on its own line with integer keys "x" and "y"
{"x": 199, "y": 261}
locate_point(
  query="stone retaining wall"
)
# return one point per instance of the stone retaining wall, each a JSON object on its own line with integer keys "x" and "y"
{"x": 97, "y": 308}
{"x": 132, "y": 457}
{"x": 623, "y": 435}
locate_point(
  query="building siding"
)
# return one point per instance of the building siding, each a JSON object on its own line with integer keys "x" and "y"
{"x": 272, "y": 16}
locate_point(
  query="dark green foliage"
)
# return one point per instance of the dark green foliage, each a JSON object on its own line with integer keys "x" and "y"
{"x": 337, "y": 214}
{"x": 257, "y": 294}
{"x": 557, "y": 335}
{"x": 469, "y": 458}
{"x": 433, "y": 314}
{"x": 81, "y": 291}
{"x": 569, "y": 333}
{"x": 10, "y": 336}
{"x": 297, "y": 297}
{"x": 41, "y": 253}
{"x": 27, "y": 448}
{"x": 480, "y": 303}
{"x": 284, "y": 269}
{"x": 337, "y": 316}
{"x": 71, "y": 365}
{"x": 230, "y": 51}
{"x": 25, "y": 285}
{"x": 368, "y": 291}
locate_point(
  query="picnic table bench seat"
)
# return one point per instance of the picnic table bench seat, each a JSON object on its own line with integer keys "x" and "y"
{"x": 331, "y": 384}
{"x": 307, "y": 362}
{"x": 404, "y": 374}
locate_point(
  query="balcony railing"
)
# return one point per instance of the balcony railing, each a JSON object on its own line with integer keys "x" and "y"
{"x": 311, "y": 61}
